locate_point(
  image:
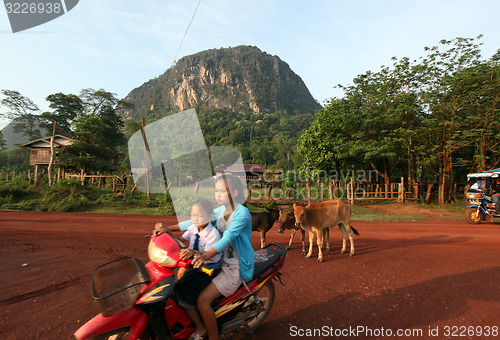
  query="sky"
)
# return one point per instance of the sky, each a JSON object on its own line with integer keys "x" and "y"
{"x": 118, "y": 45}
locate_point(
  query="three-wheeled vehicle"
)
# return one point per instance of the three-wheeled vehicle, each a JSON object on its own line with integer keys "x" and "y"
{"x": 481, "y": 205}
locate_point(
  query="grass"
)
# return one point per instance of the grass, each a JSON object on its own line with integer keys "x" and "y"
{"x": 361, "y": 213}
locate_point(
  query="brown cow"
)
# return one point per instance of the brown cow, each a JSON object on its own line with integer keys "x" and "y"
{"x": 286, "y": 221}
{"x": 316, "y": 217}
{"x": 262, "y": 221}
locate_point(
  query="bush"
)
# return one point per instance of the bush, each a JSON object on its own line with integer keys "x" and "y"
{"x": 15, "y": 190}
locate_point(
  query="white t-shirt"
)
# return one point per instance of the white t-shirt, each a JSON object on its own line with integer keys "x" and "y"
{"x": 208, "y": 237}
{"x": 230, "y": 254}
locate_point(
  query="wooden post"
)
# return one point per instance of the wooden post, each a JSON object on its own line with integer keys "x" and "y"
{"x": 249, "y": 191}
{"x": 51, "y": 161}
{"x": 321, "y": 185}
{"x": 401, "y": 191}
{"x": 428, "y": 195}
{"x": 36, "y": 175}
{"x": 146, "y": 157}
{"x": 330, "y": 190}
{"x": 352, "y": 190}
{"x": 308, "y": 192}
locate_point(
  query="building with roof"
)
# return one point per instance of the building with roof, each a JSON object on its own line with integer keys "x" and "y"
{"x": 252, "y": 172}
{"x": 40, "y": 148}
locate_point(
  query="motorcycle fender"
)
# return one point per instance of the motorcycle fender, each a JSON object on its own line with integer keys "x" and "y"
{"x": 134, "y": 318}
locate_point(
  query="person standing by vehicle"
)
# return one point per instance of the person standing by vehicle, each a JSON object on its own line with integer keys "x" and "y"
{"x": 495, "y": 192}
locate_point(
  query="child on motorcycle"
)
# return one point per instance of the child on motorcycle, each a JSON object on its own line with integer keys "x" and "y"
{"x": 201, "y": 235}
{"x": 234, "y": 222}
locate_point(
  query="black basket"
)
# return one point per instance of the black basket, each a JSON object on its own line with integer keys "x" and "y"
{"x": 117, "y": 284}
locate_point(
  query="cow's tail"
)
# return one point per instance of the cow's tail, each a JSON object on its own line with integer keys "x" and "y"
{"x": 354, "y": 230}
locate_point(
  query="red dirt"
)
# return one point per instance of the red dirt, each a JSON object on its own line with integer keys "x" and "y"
{"x": 405, "y": 275}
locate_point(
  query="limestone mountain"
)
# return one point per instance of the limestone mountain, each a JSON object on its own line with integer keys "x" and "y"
{"x": 242, "y": 79}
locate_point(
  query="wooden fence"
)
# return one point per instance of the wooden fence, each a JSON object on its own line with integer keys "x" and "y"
{"x": 350, "y": 191}
{"x": 116, "y": 182}
{"x": 260, "y": 193}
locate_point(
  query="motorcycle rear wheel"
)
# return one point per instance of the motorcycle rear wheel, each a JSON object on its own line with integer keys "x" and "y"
{"x": 266, "y": 295}
{"x": 473, "y": 216}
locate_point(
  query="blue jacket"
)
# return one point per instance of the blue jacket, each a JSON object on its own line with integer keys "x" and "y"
{"x": 240, "y": 233}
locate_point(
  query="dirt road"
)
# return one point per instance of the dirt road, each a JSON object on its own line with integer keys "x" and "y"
{"x": 414, "y": 278}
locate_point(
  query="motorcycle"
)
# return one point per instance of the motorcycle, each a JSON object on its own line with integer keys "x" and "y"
{"x": 481, "y": 205}
{"x": 137, "y": 301}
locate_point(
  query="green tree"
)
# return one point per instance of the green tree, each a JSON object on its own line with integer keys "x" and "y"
{"x": 370, "y": 127}
{"x": 97, "y": 133}
{"x": 90, "y": 150}
{"x": 431, "y": 118}
{"x": 268, "y": 138}
{"x": 446, "y": 101}
{"x": 2, "y": 142}
{"x": 479, "y": 90}
{"x": 94, "y": 101}
{"x": 23, "y": 111}
{"x": 66, "y": 108}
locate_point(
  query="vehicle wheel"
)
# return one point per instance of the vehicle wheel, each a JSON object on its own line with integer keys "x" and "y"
{"x": 266, "y": 296}
{"x": 120, "y": 334}
{"x": 473, "y": 216}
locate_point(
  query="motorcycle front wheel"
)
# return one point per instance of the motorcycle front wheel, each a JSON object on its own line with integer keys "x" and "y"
{"x": 473, "y": 216}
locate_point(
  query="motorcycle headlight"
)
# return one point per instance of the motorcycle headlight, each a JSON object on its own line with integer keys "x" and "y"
{"x": 160, "y": 256}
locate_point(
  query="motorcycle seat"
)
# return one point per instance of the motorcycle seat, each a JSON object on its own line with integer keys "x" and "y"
{"x": 264, "y": 259}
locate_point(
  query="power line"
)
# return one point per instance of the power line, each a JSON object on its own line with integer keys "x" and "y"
{"x": 184, "y": 37}
{"x": 178, "y": 50}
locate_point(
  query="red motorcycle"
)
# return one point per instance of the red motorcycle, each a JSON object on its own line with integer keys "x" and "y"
{"x": 137, "y": 301}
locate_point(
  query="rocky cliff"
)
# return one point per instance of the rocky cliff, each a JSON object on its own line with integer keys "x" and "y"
{"x": 242, "y": 79}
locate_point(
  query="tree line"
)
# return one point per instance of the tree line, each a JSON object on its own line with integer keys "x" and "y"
{"x": 435, "y": 118}
{"x": 90, "y": 118}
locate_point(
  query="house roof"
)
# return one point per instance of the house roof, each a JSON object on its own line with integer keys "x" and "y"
{"x": 59, "y": 141}
{"x": 238, "y": 168}
{"x": 490, "y": 173}
{"x": 247, "y": 167}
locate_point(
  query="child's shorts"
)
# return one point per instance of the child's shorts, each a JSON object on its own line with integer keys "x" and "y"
{"x": 189, "y": 287}
{"x": 228, "y": 280}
